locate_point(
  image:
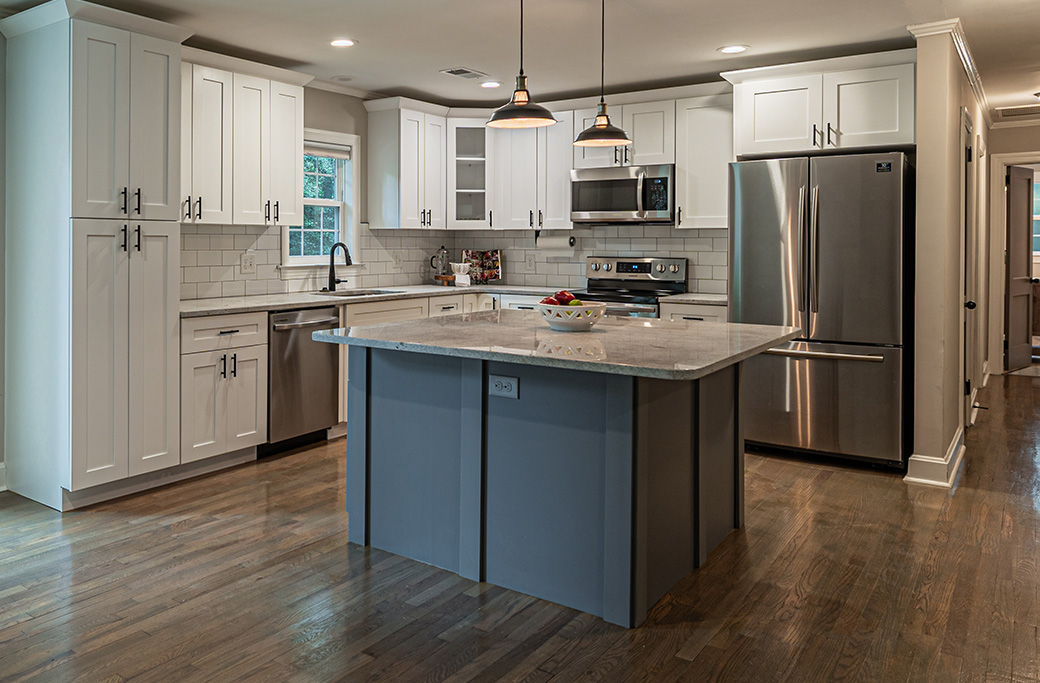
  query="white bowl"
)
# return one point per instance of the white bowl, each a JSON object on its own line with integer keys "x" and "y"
{"x": 572, "y": 318}
{"x": 460, "y": 268}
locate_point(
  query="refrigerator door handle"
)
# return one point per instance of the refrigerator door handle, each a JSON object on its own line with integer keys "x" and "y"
{"x": 793, "y": 353}
{"x": 801, "y": 248}
{"x": 814, "y": 249}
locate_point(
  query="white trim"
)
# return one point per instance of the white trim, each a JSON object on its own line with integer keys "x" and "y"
{"x": 392, "y": 103}
{"x": 1024, "y": 122}
{"x": 933, "y": 471}
{"x": 328, "y": 86}
{"x": 60, "y": 10}
{"x": 244, "y": 66}
{"x": 960, "y": 42}
{"x": 304, "y": 271}
{"x": 3, "y": 476}
{"x": 849, "y": 63}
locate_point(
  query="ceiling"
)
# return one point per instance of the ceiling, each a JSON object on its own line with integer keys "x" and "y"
{"x": 402, "y": 44}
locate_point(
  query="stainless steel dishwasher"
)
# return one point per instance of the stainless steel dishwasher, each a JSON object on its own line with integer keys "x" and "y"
{"x": 303, "y": 384}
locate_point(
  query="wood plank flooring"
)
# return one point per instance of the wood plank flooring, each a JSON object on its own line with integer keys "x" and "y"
{"x": 841, "y": 574}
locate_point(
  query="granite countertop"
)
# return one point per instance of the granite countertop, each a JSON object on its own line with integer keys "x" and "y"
{"x": 642, "y": 347}
{"x": 279, "y": 302}
{"x": 696, "y": 298}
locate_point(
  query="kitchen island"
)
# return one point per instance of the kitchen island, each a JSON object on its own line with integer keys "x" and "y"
{"x": 594, "y": 469}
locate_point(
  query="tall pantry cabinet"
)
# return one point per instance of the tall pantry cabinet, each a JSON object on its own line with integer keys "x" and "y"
{"x": 93, "y": 249}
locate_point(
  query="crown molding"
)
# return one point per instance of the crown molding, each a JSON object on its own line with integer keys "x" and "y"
{"x": 960, "y": 43}
{"x": 61, "y": 10}
{"x": 1024, "y": 122}
{"x": 216, "y": 60}
{"x": 329, "y": 86}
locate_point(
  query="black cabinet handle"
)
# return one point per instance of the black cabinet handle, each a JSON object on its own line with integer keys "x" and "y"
{"x": 422, "y": 218}
{"x": 267, "y": 211}
{"x": 223, "y": 366}
{"x": 187, "y": 211}
{"x": 122, "y": 193}
{"x": 540, "y": 221}
{"x": 227, "y": 332}
{"x": 234, "y": 365}
{"x": 679, "y": 221}
{"x": 137, "y": 196}
{"x": 198, "y": 214}
{"x": 530, "y": 221}
{"x": 124, "y": 237}
{"x": 829, "y": 134}
{"x": 276, "y": 212}
{"x": 626, "y": 155}
{"x": 690, "y": 317}
{"x": 138, "y": 232}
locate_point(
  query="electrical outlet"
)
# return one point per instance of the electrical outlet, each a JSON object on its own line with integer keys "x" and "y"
{"x": 395, "y": 258}
{"x": 506, "y": 387}
{"x": 248, "y": 263}
{"x": 531, "y": 267}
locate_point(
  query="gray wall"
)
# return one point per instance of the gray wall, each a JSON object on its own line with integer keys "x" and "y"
{"x": 332, "y": 111}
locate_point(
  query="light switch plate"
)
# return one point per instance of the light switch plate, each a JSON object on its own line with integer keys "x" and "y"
{"x": 248, "y": 263}
{"x": 531, "y": 267}
{"x": 506, "y": 387}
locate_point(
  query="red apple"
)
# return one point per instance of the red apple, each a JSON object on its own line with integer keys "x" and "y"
{"x": 550, "y": 301}
{"x": 564, "y": 297}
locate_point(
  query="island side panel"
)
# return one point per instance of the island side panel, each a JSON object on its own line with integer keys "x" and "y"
{"x": 720, "y": 460}
{"x": 471, "y": 471}
{"x": 618, "y": 502}
{"x": 415, "y": 441}
{"x": 357, "y": 446}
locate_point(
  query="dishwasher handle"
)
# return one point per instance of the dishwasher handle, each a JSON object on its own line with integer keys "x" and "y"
{"x": 307, "y": 323}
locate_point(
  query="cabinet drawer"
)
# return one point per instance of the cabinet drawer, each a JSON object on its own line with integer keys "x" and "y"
{"x": 213, "y": 332}
{"x": 445, "y": 305}
{"x": 386, "y": 311}
{"x": 712, "y": 313}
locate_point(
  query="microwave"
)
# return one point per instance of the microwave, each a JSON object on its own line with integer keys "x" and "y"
{"x": 624, "y": 194}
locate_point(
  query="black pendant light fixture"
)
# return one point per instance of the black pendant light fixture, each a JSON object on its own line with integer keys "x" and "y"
{"x": 602, "y": 133}
{"x": 521, "y": 112}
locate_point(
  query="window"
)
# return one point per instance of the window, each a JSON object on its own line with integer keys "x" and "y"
{"x": 329, "y": 199}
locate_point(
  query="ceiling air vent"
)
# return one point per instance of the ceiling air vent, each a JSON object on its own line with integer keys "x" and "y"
{"x": 1025, "y": 110}
{"x": 464, "y": 72}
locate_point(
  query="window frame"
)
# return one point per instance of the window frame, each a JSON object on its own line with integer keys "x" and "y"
{"x": 296, "y": 267}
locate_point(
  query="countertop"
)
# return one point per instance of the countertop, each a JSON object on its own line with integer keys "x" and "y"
{"x": 641, "y": 347}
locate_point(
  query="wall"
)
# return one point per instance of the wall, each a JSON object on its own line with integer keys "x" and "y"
{"x": 1019, "y": 139}
{"x": 3, "y": 211}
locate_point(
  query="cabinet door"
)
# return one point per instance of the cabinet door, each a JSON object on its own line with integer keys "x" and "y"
{"x": 468, "y": 174}
{"x": 779, "y": 115}
{"x": 555, "y": 156}
{"x": 435, "y": 137}
{"x": 447, "y": 305}
{"x": 155, "y": 123}
{"x": 211, "y": 144}
{"x": 286, "y": 154}
{"x": 246, "y": 397}
{"x": 155, "y": 251}
{"x": 100, "y": 347}
{"x": 251, "y": 151}
{"x": 101, "y": 124}
{"x": 203, "y": 405}
{"x": 703, "y": 150}
{"x": 867, "y": 107}
{"x": 187, "y": 215}
{"x": 594, "y": 157}
{"x": 651, "y": 126}
{"x": 516, "y": 179}
{"x": 694, "y": 312}
{"x": 386, "y": 311}
{"x": 412, "y": 171}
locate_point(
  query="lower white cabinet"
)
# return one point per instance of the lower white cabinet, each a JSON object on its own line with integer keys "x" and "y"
{"x": 223, "y": 390}
{"x": 713, "y": 313}
{"x": 446, "y": 305}
{"x": 520, "y": 302}
{"x": 473, "y": 303}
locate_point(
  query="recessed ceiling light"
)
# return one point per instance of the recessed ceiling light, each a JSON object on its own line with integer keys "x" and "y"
{"x": 732, "y": 49}
{"x": 490, "y": 84}
{"x": 342, "y": 42}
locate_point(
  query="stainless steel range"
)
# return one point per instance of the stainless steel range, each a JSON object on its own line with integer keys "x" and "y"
{"x": 632, "y": 286}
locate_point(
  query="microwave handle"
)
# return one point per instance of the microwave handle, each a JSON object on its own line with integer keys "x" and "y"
{"x": 639, "y": 194}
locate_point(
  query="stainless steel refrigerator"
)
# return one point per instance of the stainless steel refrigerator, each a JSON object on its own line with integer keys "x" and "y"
{"x": 822, "y": 244}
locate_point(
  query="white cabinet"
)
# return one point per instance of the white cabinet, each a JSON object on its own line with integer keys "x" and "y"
{"x": 703, "y": 150}
{"x": 446, "y": 305}
{"x": 714, "y": 313}
{"x": 516, "y": 179}
{"x": 286, "y": 148}
{"x": 223, "y": 400}
{"x": 125, "y": 150}
{"x": 207, "y": 173}
{"x": 555, "y": 157}
{"x": 474, "y": 303}
{"x": 125, "y": 310}
{"x": 469, "y": 174}
{"x": 651, "y": 126}
{"x": 825, "y": 107}
{"x": 518, "y": 302}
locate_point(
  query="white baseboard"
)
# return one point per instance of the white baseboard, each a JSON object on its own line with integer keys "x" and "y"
{"x": 934, "y": 471}
{"x": 3, "y": 476}
{"x": 985, "y": 373}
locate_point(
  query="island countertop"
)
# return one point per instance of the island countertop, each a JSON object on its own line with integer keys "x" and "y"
{"x": 639, "y": 347}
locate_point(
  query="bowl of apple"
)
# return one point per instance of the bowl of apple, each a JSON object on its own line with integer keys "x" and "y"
{"x": 566, "y": 313}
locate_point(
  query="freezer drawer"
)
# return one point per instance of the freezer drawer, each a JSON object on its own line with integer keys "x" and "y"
{"x": 834, "y": 398}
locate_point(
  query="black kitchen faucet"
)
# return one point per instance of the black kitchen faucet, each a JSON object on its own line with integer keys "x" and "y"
{"x": 333, "y": 280}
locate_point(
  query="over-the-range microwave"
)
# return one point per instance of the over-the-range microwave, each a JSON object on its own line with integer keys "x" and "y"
{"x": 624, "y": 194}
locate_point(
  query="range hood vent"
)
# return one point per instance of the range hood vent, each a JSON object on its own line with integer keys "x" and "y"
{"x": 464, "y": 72}
{"x": 1024, "y": 110}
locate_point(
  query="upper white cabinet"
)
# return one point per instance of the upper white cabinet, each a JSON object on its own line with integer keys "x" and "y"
{"x": 651, "y": 126}
{"x": 125, "y": 124}
{"x": 207, "y": 126}
{"x": 407, "y": 164}
{"x": 286, "y": 150}
{"x": 555, "y": 156}
{"x": 469, "y": 174}
{"x": 850, "y": 102}
{"x": 703, "y": 150}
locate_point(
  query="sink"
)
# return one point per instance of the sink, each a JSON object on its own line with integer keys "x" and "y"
{"x": 359, "y": 292}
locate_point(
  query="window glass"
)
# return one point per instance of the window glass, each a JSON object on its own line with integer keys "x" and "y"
{"x": 326, "y": 186}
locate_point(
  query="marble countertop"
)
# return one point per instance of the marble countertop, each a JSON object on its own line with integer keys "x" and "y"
{"x": 642, "y": 347}
{"x": 696, "y": 298}
{"x": 279, "y": 302}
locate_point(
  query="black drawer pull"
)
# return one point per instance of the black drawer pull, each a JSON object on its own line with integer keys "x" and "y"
{"x": 227, "y": 332}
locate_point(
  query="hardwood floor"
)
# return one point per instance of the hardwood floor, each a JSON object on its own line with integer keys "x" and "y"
{"x": 840, "y": 574}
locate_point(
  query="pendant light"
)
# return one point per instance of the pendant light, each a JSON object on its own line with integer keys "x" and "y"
{"x": 602, "y": 133}
{"x": 521, "y": 112}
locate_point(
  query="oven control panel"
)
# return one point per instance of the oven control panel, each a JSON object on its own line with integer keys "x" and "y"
{"x": 635, "y": 268}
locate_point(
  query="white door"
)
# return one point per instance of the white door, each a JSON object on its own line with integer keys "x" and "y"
{"x": 869, "y": 106}
{"x": 203, "y": 404}
{"x": 155, "y": 251}
{"x": 703, "y": 150}
{"x": 779, "y": 115}
{"x": 251, "y": 154}
{"x": 286, "y": 154}
{"x": 595, "y": 157}
{"x": 246, "y": 397}
{"x": 516, "y": 178}
{"x": 211, "y": 144}
{"x": 187, "y": 214}
{"x": 555, "y": 156}
{"x": 100, "y": 347}
{"x": 651, "y": 126}
{"x": 435, "y": 138}
{"x": 101, "y": 124}
{"x": 1018, "y": 302}
{"x": 155, "y": 123}
{"x": 412, "y": 171}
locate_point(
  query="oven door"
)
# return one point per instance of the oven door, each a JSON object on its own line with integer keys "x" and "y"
{"x": 627, "y": 310}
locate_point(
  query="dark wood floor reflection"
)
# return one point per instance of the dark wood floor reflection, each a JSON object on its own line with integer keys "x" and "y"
{"x": 840, "y": 574}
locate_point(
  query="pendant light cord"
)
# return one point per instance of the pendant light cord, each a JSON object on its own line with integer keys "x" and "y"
{"x": 521, "y": 37}
{"x": 602, "y": 48}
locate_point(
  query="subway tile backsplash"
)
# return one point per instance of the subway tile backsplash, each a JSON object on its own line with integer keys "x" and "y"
{"x": 211, "y": 257}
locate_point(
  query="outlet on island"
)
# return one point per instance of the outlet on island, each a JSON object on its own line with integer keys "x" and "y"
{"x": 248, "y": 263}
{"x": 506, "y": 387}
